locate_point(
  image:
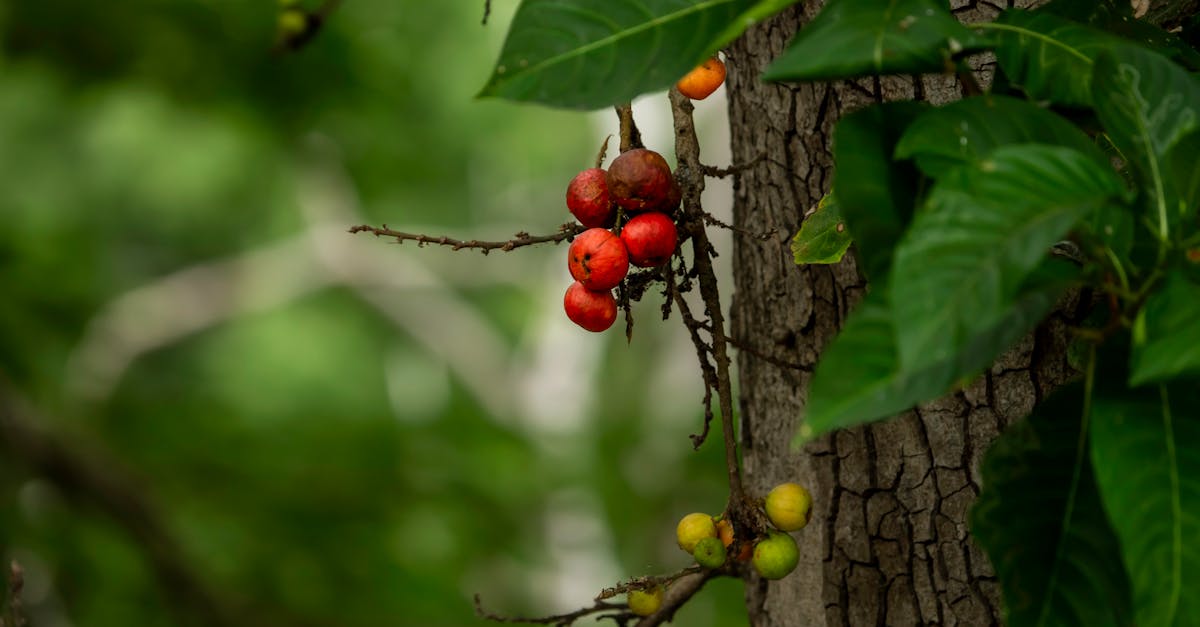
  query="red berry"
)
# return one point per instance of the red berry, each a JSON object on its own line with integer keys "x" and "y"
{"x": 640, "y": 180}
{"x": 594, "y": 311}
{"x": 588, "y": 200}
{"x": 650, "y": 238}
{"x": 598, "y": 259}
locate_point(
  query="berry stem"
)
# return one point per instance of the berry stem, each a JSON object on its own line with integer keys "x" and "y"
{"x": 565, "y": 232}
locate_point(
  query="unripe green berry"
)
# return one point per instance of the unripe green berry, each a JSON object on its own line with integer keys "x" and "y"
{"x": 776, "y": 556}
{"x": 710, "y": 553}
{"x": 645, "y": 602}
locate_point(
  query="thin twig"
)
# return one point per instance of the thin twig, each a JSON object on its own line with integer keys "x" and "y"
{"x": 720, "y": 173}
{"x": 707, "y": 372}
{"x": 630, "y": 136}
{"x": 561, "y": 620}
{"x": 565, "y": 232}
{"x": 713, "y": 220}
{"x": 690, "y": 175}
{"x": 16, "y": 583}
{"x": 487, "y": 11}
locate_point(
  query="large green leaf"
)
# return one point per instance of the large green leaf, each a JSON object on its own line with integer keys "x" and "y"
{"x": 1117, "y": 17}
{"x": 1146, "y": 451}
{"x": 968, "y": 130}
{"x": 823, "y": 237}
{"x": 860, "y": 377}
{"x": 1147, "y": 104}
{"x": 1167, "y": 335}
{"x": 1040, "y": 520}
{"x": 1049, "y": 57}
{"x": 751, "y": 16}
{"x": 587, "y": 54}
{"x": 875, "y": 193}
{"x": 986, "y": 226}
{"x": 859, "y": 37}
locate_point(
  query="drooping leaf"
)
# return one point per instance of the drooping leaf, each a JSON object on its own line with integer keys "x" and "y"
{"x": 860, "y": 37}
{"x": 823, "y": 237}
{"x": 968, "y": 130}
{"x": 860, "y": 378}
{"x": 755, "y": 14}
{"x": 1117, "y": 17}
{"x": 1049, "y": 57}
{"x": 1183, "y": 177}
{"x": 1147, "y": 104}
{"x": 986, "y": 226}
{"x": 1166, "y": 342}
{"x": 875, "y": 194}
{"x": 1040, "y": 520}
{"x": 1145, "y": 447}
{"x": 586, "y": 54}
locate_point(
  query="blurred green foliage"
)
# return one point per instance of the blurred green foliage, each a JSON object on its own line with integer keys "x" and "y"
{"x": 300, "y": 403}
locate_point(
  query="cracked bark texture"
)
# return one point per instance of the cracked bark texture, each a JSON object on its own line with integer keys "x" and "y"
{"x": 888, "y": 543}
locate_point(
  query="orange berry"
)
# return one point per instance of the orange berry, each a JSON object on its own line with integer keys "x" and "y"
{"x": 725, "y": 532}
{"x": 701, "y": 82}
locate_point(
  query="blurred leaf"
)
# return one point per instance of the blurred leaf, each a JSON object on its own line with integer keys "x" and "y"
{"x": 587, "y": 54}
{"x": 823, "y": 237}
{"x": 850, "y": 38}
{"x": 874, "y": 192}
{"x": 1145, "y": 449}
{"x": 757, "y": 13}
{"x": 1116, "y": 17}
{"x": 1040, "y": 520}
{"x": 1049, "y": 57}
{"x": 985, "y": 228}
{"x": 1148, "y": 105}
{"x": 1167, "y": 336}
{"x": 968, "y": 130}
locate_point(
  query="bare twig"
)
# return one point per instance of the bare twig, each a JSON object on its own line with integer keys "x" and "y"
{"x": 707, "y": 372}
{"x": 487, "y": 11}
{"x": 691, "y": 178}
{"x": 16, "y": 583}
{"x": 646, "y": 582}
{"x": 721, "y": 173}
{"x": 560, "y": 620}
{"x": 713, "y": 220}
{"x": 603, "y": 152}
{"x": 565, "y": 232}
{"x": 630, "y": 137}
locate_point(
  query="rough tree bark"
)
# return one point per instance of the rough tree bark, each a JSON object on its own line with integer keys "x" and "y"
{"x": 888, "y": 544}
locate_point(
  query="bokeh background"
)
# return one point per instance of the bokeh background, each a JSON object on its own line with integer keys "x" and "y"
{"x": 333, "y": 429}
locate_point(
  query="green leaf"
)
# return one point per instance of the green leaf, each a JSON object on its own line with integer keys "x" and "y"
{"x": 985, "y": 228}
{"x": 861, "y": 37}
{"x": 755, "y": 14}
{"x": 875, "y": 194}
{"x": 823, "y": 237}
{"x": 1116, "y": 17}
{"x": 967, "y": 131}
{"x": 1147, "y": 104}
{"x": 587, "y": 54}
{"x": 1145, "y": 448}
{"x": 1040, "y": 520}
{"x": 1167, "y": 337}
{"x": 1049, "y": 57}
{"x": 860, "y": 377}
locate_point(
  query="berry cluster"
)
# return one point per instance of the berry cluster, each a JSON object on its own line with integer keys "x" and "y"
{"x": 626, "y": 210}
{"x": 774, "y": 554}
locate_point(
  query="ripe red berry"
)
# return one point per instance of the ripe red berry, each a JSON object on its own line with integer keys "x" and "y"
{"x": 640, "y": 180}
{"x": 598, "y": 259}
{"x": 594, "y": 311}
{"x": 588, "y": 199}
{"x": 650, "y": 238}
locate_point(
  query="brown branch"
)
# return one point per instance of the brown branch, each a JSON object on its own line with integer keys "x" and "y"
{"x": 720, "y": 173}
{"x": 676, "y": 596}
{"x": 16, "y": 583}
{"x": 647, "y": 582}
{"x": 690, "y": 174}
{"x": 565, "y": 232}
{"x": 630, "y": 136}
{"x": 707, "y": 372}
{"x": 713, "y": 220}
{"x": 561, "y": 620}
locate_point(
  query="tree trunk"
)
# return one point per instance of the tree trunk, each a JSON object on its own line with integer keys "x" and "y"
{"x": 888, "y": 543}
